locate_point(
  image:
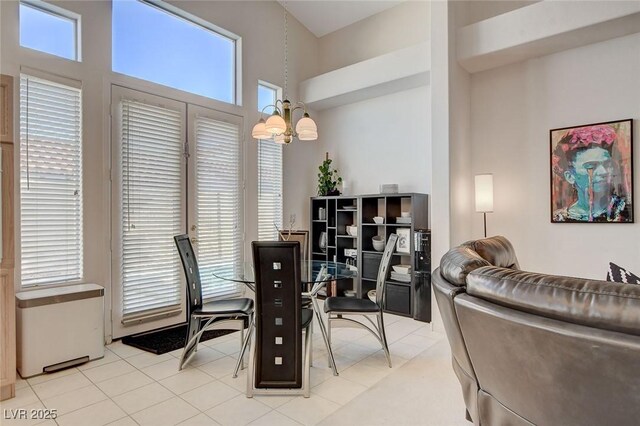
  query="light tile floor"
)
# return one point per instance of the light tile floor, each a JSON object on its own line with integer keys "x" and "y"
{"x": 129, "y": 386}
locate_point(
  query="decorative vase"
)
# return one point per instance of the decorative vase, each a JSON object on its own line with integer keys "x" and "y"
{"x": 323, "y": 242}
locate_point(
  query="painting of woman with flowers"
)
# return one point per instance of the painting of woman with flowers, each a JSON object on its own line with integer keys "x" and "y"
{"x": 592, "y": 173}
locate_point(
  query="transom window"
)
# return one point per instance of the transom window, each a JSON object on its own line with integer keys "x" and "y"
{"x": 49, "y": 29}
{"x": 157, "y": 42}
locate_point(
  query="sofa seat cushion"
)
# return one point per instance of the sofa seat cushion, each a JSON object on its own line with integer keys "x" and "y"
{"x": 600, "y": 304}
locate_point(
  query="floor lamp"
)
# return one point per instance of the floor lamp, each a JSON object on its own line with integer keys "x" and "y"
{"x": 484, "y": 196}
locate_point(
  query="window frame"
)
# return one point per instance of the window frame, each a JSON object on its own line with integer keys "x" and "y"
{"x": 58, "y": 12}
{"x": 195, "y": 20}
{"x": 73, "y": 84}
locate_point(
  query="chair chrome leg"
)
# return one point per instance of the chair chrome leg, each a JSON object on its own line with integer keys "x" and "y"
{"x": 323, "y": 330}
{"x": 332, "y": 360}
{"x": 252, "y": 361}
{"x": 307, "y": 364}
{"x": 383, "y": 335}
{"x": 192, "y": 331}
{"x": 245, "y": 342}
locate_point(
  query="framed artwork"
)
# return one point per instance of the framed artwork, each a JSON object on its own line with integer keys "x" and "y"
{"x": 404, "y": 240}
{"x": 592, "y": 173}
{"x": 300, "y": 236}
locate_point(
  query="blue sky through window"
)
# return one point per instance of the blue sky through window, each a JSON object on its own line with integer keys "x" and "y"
{"x": 47, "y": 32}
{"x": 266, "y": 96}
{"x": 154, "y": 45}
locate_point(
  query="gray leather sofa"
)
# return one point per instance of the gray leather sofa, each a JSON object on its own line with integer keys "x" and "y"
{"x": 538, "y": 349}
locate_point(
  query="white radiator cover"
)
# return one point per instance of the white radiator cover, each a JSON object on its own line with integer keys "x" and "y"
{"x": 58, "y": 325}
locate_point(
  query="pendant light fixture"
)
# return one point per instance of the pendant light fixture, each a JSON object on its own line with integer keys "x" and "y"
{"x": 279, "y": 126}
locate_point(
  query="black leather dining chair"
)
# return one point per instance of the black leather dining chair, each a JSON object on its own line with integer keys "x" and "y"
{"x": 340, "y": 308}
{"x": 276, "y": 361}
{"x": 227, "y": 314}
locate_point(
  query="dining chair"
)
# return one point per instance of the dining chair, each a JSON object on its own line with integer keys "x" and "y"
{"x": 227, "y": 314}
{"x": 337, "y": 308}
{"x": 275, "y": 357}
{"x": 301, "y": 236}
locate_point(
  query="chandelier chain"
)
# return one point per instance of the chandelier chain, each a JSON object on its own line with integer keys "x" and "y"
{"x": 286, "y": 37}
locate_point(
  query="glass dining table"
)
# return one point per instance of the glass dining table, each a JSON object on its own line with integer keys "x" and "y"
{"x": 315, "y": 274}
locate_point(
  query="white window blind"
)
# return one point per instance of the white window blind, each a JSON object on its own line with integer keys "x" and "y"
{"x": 152, "y": 206}
{"x": 269, "y": 189}
{"x": 218, "y": 195}
{"x": 50, "y": 182}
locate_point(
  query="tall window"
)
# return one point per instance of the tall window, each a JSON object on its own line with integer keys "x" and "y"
{"x": 152, "y": 205}
{"x": 157, "y": 42}
{"x": 50, "y": 182}
{"x": 49, "y": 29}
{"x": 269, "y": 174}
{"x": 217, "y": 202}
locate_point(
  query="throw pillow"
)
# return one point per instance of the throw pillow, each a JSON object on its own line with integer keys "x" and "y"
{"x": 620, "y": 275}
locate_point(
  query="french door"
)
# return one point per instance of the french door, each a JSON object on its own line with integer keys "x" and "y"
{"x": 175, "y": 170}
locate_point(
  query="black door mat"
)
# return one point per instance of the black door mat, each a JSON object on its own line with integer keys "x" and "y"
{"x": 167, "y": 339}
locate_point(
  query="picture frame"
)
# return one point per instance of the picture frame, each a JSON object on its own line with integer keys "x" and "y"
{"x": 302, "y": 236}
{"x": 404, "y": 240}
{"x": 591, "y": 173}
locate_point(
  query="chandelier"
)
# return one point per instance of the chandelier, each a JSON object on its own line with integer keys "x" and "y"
{"x": 279, "y": 126}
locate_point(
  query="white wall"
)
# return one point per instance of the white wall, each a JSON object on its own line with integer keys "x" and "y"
{"x": 512, "y": 109}
{"x": 259, "y": 24}
{"x": 381, "y": 140}
{"x": 401, "y": 26}
{"x": 384, "y": 139}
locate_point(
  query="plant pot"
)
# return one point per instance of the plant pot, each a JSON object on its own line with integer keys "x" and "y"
{"x": 333, "y": 192}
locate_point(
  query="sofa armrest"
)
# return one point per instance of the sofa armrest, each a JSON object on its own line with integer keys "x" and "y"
{"x": 600, "y": 304}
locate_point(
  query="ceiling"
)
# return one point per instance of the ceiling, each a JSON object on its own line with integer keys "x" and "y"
{"x": 324, "y": 17}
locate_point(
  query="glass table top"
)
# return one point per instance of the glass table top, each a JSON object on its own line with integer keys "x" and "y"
{"x": 310, "y": 271}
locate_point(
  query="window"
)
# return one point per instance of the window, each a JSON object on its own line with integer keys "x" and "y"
{"x": 217, "y": 201}
{"x": 152, "y": 188}
{"x": 49, "y": 29}
{"x": 267, "y": 95}
{"x": 269, "y": 174}
{"x": 156, "y": 42}
{"x": 50, "y": 181}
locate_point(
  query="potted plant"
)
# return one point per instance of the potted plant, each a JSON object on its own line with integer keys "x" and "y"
{"x": 328, "y": 179}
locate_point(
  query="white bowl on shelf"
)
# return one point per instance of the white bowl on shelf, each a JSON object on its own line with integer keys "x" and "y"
{"x": 379, "y": 220}
{"x": 371, "y": 294}
{"x": 402, "y": 269}
{"x": 405, "y": 214}
{"x": 352, "y": 230}
{"x": 378, "y": 243}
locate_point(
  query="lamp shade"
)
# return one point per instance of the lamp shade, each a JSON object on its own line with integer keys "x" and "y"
{"x": 275, "y": 124}
{"x": 484, "y": 193}
{"x": 306, "y": 124}
{"x": 279, "y": 139}
{"x": 260, "y": 131}
{"x": 308, "y": 135}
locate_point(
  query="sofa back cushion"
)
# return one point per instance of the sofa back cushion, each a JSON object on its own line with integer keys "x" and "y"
{"x": 458, "y": 262}
{"x": 498, "y": 251}
{"x": 593, "y": 303}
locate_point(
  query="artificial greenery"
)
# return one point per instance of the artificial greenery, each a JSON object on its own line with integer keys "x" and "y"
{"x": 328, "y": 179}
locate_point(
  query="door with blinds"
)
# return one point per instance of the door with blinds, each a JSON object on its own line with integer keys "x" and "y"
{"x": 156, "y": 145}
{"x": 215, "y": 223}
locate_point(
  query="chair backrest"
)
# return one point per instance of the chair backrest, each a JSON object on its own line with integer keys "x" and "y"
{"x": 278, "y": 314}
{"x": 301, "y": 236}
{"x": 383, "y": 270}
{"x": 191, "y": 272}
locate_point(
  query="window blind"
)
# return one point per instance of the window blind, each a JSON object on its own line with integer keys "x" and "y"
{"x": 269, "y": 189}
{"x": 152, "y": 206}
{"x": 50, "y": 182}
{"x": 218, "y": 195}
